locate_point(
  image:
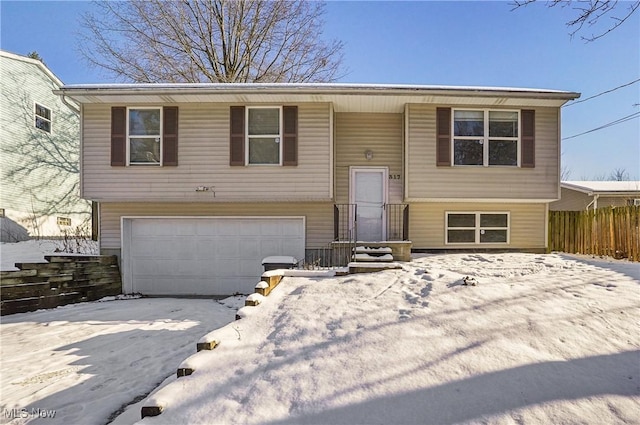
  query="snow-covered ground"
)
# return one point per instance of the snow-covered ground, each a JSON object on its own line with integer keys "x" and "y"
{"x": 34, "y": 250}
{"x": 85, "y": 361}
{"x": 541, "y": 339}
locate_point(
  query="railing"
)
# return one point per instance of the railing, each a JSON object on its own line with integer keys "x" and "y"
{"x": 397, "y": 222}
{"x": 345, "y": 222}
{"x": 345, "y": 225}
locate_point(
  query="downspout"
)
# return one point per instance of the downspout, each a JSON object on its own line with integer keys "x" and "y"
{"x": 594, "y": 202}
{"x": 66, "y": 102}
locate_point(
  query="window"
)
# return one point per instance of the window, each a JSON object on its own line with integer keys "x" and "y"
{"x": 486, "y": 138}
{"x": 263, "y": 135}
{"x": 144, "y": 135}
{"x": 477, "y": 227}
{"x": 63, "y": 221}
{"x": 43, "y": 118}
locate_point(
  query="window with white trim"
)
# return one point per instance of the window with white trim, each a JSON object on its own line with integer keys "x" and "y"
{"x": 264, "y": 134}
{"x": 477, "y": 227}
{"x": 486, "y": 137}
{"x": 43, "y": 118}
{"x": 144, "y": 135}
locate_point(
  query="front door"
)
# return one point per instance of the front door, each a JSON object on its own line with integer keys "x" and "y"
{"x": 369, "y": 194}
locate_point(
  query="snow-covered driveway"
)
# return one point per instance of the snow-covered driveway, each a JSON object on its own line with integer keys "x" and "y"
{"x": 85, "y": 361}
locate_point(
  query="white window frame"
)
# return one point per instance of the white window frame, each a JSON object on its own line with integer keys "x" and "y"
{"x": 485, "y": 137}
{"x": 36, "y": 116}
{"x": 477, "y": 228}
{"x": 278, "y": 136}
{"x": 159, "y": 136}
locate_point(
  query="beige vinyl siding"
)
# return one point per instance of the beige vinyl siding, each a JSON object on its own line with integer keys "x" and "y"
{"x": 358, "y": 132}
{"x": 319, "y": 216}
{"x": 427, "y": 224}
{"x": 426, "y": 181}
{"x": 203, "y": 160}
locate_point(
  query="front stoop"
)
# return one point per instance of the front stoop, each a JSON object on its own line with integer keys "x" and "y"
{"x": 360, "y": 267}
{"x": 400, "y": 250}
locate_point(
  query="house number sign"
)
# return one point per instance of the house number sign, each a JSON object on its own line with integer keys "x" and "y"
{"x": 394, "y": 177}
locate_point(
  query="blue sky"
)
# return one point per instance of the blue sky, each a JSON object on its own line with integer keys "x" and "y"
{"x": 434, "y": 43}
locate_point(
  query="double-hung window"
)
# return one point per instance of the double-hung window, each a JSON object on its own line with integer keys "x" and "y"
{"x": 486, "y": 137}
{"x": 477, "y": 227}
{"x": 264, "y": 133}
{"x": 42, "y": 118}
{"x": 144, "y": 135}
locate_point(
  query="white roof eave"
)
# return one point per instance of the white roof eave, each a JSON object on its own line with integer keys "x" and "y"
{"x": 347, "y": 97}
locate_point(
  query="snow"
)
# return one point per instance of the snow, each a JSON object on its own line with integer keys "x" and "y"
{"x": 541, "y": 339}
{"x": 34, "y": 250}
{"x": 86, "y": 361}
{"x": 603, "y": 186}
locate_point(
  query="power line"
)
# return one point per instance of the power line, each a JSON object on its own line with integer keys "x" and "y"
{"x": 600, "y": 94}
{"x": 612, "y": 123}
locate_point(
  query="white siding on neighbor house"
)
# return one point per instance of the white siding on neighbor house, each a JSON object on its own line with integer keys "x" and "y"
{"x": 427, "y": 224}
{"x": 358, "y": 132}
{"x": 25, "y": 82}
{"x": 426, "y": 181}
{"x": 203, "y": 160}
{"x": 318, "y": 216}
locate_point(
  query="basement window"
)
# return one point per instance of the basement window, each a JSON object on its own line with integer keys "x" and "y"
{"x": 477, "y": 227}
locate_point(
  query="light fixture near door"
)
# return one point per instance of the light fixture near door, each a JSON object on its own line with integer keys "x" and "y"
{"x": 368, "y": 154}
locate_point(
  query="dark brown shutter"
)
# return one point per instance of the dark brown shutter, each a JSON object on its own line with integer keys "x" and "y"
{"x": 118, "y": 136}
{"x": 170, "y": 136}
{"x": 290, "y": 146}
{"x": 528, "y": 147}
{"x": 236, "y": 145}
{"x": 443, "y": 134}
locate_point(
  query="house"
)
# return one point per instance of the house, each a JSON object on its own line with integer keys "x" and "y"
{"x": 196, "y": 183}
{"x": 584, "y": 195}
{"x": 39, "y": 139}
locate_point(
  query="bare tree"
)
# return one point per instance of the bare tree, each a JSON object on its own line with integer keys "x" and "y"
{"x": 591, "y": 13}
{"x": 619, "y": 174}
{"x": 565, "y": 173}
{"x": 224, "y": 41}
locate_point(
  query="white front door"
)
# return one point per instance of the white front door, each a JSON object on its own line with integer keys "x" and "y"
{"x": 369, "y": 194}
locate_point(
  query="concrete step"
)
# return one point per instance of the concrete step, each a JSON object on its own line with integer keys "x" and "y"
{"x": 384, "y": 258}
{"x": 373, "y": 254}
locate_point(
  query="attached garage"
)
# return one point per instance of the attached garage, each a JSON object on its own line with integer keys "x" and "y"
{"x": 204, "y": 255}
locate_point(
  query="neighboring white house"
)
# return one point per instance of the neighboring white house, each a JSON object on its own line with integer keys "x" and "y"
{"x": 39, "y": 144}
{"x": 584, "y": 195}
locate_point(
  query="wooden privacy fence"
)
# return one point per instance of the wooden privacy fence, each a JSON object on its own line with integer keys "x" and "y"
{"x": 612, "y": 231}
{"x": 64, "y": 279}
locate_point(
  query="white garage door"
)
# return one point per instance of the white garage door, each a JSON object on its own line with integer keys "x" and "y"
{"x": 204, "y": 256}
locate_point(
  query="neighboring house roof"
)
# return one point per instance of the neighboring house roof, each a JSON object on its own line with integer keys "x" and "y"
{"x": 603, "y": 187}
{"x": 344, "y": 96}
{"x": 35, "y": 62}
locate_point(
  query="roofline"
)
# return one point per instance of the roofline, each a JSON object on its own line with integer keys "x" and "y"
{"x": 590, "y": 191}
{"x": 36, "y": 62}
{"x": 327, "y": 88}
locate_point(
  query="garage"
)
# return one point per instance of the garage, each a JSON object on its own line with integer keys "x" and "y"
{"x": 204, "y": 255}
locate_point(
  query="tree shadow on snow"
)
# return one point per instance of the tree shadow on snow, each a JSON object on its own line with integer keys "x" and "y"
{"x": 493, "y": 393}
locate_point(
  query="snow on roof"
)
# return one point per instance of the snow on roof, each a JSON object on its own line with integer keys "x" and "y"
{"x": 603, "y": 186}
{"x": 311, "y": 86}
